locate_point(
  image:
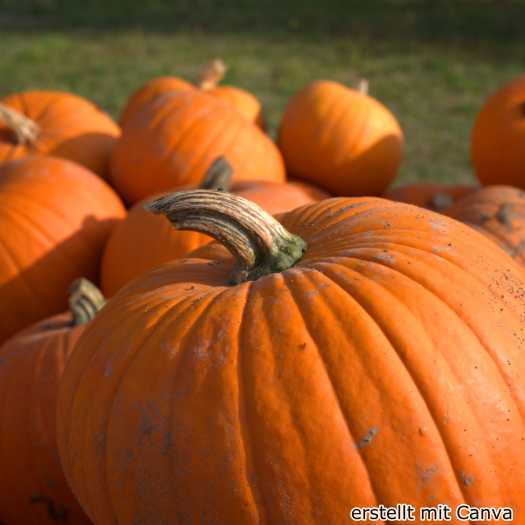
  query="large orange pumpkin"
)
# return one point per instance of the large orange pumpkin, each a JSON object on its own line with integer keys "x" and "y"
{"x": 173, "y": 140}
{"x": 55, "y": 123}
{"x": 33, "y": 489}
{"x": 55, "y": 218}
{"x": 499, "y": 213}
{"x": 208, "y": 81}
{"x": 432, "y": 196}
{"x": 498, "y": 136}
{"x": 380, "y": 364}
{"x": 342, "y": 139}
{"x": 142, "y": 241}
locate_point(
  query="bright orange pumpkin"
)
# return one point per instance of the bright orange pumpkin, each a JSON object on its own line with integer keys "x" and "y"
{"x": 341, "y": 139}
{"x": 55, "y": 218}
{"x": 172, "y": 141}
{"x": 142, "y": 241}
{"x": 435, "y": 197}
{"x": 497, "y": 212}
{"x": 208, "y": 81}
{"x": 380, "y": 364}
{"x": 33, "y": 488}
{"x": 56, "y": 123}
{"x": 496, "y": 145}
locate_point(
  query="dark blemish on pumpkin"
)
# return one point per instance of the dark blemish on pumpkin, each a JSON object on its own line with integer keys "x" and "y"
{"x": 468, "y": 479}
{"x": 56, "y": 512}
{"x": 426, "y": 474}
{"x": 50, "y": 483}
{"x": 129, "y": 453}
{"x": 367, "y": 439}
{"x": 313, "y": 293}
{"x": 145, "y": 427}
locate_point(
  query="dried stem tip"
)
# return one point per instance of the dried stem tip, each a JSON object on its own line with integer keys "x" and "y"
{"x": 260, "y": 244}
{"x": 25, "y": 131}
{"x": 85, "y": 301}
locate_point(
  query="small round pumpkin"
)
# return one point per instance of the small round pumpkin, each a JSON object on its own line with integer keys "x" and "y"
{"x": 56, "y": 123}
{"x": 33, "y": 488}
{"x": 55, "y": 218}
{"x": 498, "y": 135}
{"x": 341, "y": 139}
{"x": 208, "y": 80}
{"x": 172, "y": 141}
{"x": 432, "y": 196}
{"x": 142, "y": 241}
{"x": 356, "y": 353}
{"x": 498, "y": 212}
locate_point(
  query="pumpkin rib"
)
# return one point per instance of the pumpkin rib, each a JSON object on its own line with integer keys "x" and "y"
{"x": 451, "y": 443}
{"x": 165, "y": 313}
{"x": 465, "y": 322}
{"x": 245, "y": 437}
{"x": 328, "y": 264}
{"x": 329, "y": 377}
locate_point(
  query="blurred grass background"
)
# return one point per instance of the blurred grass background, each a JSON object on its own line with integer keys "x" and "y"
{"x": 431, "y": 62}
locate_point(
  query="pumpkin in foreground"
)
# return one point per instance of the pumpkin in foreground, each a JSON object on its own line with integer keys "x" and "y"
{"x": 33, "y": 489}
{"x": 359, "y": 352}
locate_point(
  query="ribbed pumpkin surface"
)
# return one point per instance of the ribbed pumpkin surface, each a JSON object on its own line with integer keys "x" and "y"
{"x": 385, "y": 367}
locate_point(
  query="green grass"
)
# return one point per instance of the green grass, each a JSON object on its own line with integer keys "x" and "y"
{"x": 431, "y": 62}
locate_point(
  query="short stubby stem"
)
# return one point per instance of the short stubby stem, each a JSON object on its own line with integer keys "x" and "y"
{"x": 210, "y": 77}
{"x": 25, "y": 131}
{"x": 260, "y": 244}
{"x": 218, "y": 175}
{"x": 85, "y": 301}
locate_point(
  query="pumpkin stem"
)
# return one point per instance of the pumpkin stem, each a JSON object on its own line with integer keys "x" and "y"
{"x": 218, "y": 175}
{"x": 258, "y": 241}
{"x": 25, "y": 131}
{"x": 440, "y": 201}
{"x": 362, "y": 86}
{"x": 211, "y": 75}
{"x": 85, "y": 301}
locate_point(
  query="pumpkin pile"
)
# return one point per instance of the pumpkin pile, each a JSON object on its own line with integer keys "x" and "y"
{"x": 285, "y": 338}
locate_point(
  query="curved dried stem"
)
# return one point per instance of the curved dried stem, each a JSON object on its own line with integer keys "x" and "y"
{"x": 211, "y": 75}
{"x": 85, "y": 301}
{"x": 259, "y": 242}
{"x": 25, "y": 130}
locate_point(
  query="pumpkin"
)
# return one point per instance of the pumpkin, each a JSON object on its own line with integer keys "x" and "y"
{"x": 341, "y": 139}
{"x": 432, "y": 196}
{"x": 55, "y": 218}
{"x": 173, "y": 140}
{"x": 33, "y": 488}
{"x": 498, "y": 135}
{"x": 499, "y": 213}
{"x": 208, "y": 81}
{"x": 354, "y": 353}
{"x": 142, "y": 241}
{"x": 59, "y": 124}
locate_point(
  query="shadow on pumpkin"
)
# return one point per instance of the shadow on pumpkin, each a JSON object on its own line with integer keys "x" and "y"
{"x": 40, "y": 290}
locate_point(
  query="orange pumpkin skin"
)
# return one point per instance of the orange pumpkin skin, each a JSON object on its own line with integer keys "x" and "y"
{"x": 497, "y": 212}
{"x": 496, "y": 145}
{"x": 385, "y": 367}
{"x": 435, "y": 197}
{"x": 71, "y": 128}
{"x": 172, "y": 141}
{"x": 242, "y": 101}
{"x": 236, "y": 97}
{"x": 346, "y": 142}
{"x": 143, "y": 241}
{"x": 55, "y": 218}
{"x": 150, "y": 91}
{"x": 33, "y": 488}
